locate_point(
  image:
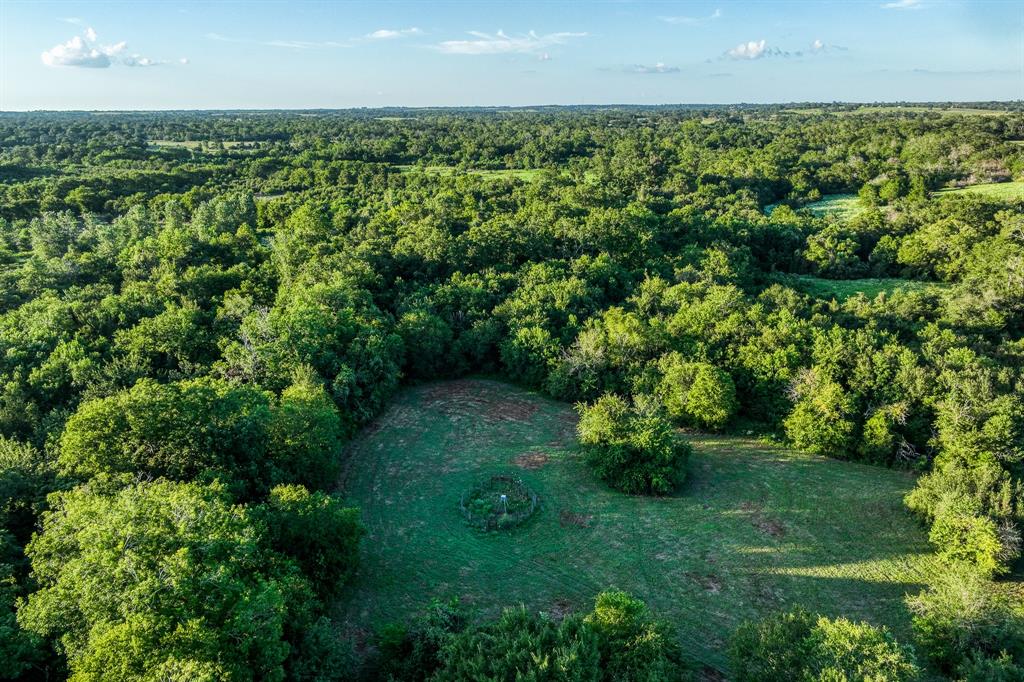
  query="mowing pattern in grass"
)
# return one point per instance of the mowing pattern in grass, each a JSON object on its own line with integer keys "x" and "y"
{"x": 755, "y": 528}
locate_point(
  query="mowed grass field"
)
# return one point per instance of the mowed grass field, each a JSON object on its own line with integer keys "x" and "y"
{"x": 843, "y": 289}
{"x": 755, "y": 528}
{"x": 1003, "y": 191}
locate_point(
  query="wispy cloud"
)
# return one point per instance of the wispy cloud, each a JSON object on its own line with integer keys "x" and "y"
{"x": 654, "y": 68}
{"x": 70, "y": 20}
{"x": 85, "y": 51}
{"x": 290, "y": 44}
{"x": 391, "y": 34}
{"x": 819, "y": 46}
{"x": 760, "y": 49}
{"x": 903, "y": 4}
{"x": 502, "y": 43}
{"x": 692, "y": 21}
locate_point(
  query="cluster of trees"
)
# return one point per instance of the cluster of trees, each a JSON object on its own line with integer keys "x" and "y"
{"x": 618, "y": 641}
{"x": 189, "y": 335}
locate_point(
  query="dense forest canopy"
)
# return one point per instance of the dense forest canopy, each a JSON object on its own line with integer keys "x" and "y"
{"x": 199, "y": 309}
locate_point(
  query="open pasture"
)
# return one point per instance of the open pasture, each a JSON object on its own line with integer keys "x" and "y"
{"x": 755, "y": 527}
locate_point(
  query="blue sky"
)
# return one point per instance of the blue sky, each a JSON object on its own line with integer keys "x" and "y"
{"x": 174, "y": 54}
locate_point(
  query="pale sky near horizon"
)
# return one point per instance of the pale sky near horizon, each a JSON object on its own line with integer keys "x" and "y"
{"x": 178, "y": 54}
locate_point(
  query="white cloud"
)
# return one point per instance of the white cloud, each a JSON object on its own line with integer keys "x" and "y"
{"x": 903, "y": 4}
{"x": 817, "y": 45}
{"x": 82, "y": 52}
{"x": 139, "y": 60}
{"x": 656, "y": 68}
{"x": 389, "y": 34}
{"x": 70, "y": 20}
{"x": 754, "y": 49}
{"x": 87, "y": 52}
{"x": 502, "y": 43}
{"x": 692, "y": 21}
{"x": 183, "y": 60}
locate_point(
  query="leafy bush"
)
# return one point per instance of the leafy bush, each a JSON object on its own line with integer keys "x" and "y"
{"x": 797, "y": 645}
{"x": 521, "y": 645}
{"x": 822, "y": 418}
{"x": 159, "y": 580}
{"x": 696, "y": 393}
{"x": 316, "y": 530}
{"x": 633, "y": 645}
{"x": 963, "y": 622}
{"x": 305, "y": 434}
{"x": 632, "y": 447}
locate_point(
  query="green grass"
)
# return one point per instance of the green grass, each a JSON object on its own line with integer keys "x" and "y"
{"x": 1004, "y": 191}
{"x": 842, "y": 289}
{"x": 526, "y": 174}
{"x": 756, "y": 528}
{"x": 842, "y": 206}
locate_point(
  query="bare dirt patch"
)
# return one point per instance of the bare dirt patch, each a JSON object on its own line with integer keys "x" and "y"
{"x": 765, "y": 524}
{"x": 708, "y": 581}
{"x": 472, "y": 398}
{"x": 560, "y": 608}
{"x": 568, "y": 518}
{"x": 531, "y": 460}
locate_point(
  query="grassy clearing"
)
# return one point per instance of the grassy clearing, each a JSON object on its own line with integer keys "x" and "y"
{"x": 526, "y": 174}
{"x": 196, "y": 144}
{"x": 842, "y": 206}
{"x": 755, "y": 528}
{"x": 842, "y": 289}
{"x": 1004, "y": 191}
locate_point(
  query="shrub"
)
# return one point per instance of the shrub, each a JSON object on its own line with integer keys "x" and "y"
{"x": 632, "y": 447}
{"x": 821, "y": 421}
{"x": 696, "y": 393}
{"x": 959, "y": 533}
{"x": 797, "y": 645}
{"x": 318, "y": 531}
{"x": 413, "y": 653}
{"x": 633, "y": 646}
{"x": 306, "y": 434}
{"x": 523, "y": 646}
{"x": 963, "y": 621}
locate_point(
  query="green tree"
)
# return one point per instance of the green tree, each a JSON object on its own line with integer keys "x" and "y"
{"x": 634, "y": 647}
{"x": 696, "y": 393}
{"x": 318, "y": 531}
{"x": 822, "y": 417}
{"x": 632, "y": 447}
{"x": 160, "y": 580}
{"x": 797, "y": 645}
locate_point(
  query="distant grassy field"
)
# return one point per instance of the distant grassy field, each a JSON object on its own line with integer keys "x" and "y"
{"x": 194, "y": 144}
{"x": 521, "y": 173}
{"x": 947, "y": 111}
{"x": 756, "y": 528}
{"x": 842, "y": 289}
{"x": 1006, "y": 191}
{"x": 843, "y": 206}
